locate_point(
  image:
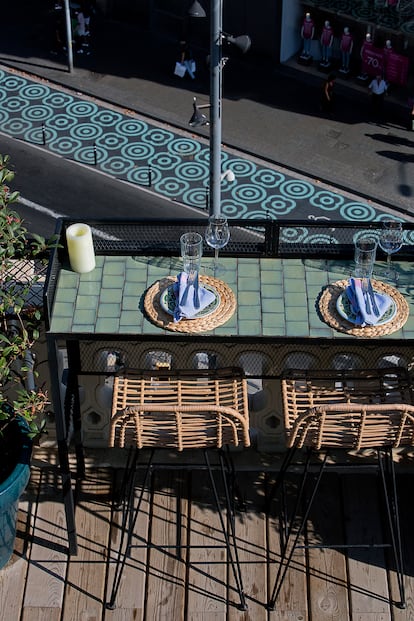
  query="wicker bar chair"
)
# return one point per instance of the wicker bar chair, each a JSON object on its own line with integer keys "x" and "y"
{"x": 205, "y": 410}
{"x": 329, "y": 412}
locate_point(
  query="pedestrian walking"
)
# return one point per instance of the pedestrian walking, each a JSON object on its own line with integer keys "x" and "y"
{"x": 328, "y": 95}
{"x": 82, "y": 28}
{"x": 186, "y": 58}
{"x": 378, "y": 88}
{"x": 58, "y": 30}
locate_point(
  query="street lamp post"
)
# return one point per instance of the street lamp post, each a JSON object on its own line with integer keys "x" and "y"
{"x": 216, "y": 66}
{"x": 69, "y": 36}
{"x": 215, "y": 105}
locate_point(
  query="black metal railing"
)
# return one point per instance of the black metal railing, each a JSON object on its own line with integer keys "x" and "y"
{"x": 268, "y": 238}
{"x": 260, "y": 238}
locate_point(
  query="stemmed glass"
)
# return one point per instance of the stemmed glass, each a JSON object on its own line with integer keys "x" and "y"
{"x": 390, "y": 241}
{"x": 217, "y": 236}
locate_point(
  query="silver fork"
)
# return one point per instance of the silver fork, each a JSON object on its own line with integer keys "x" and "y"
{"x": 371, "y": 293}
{"x": 184, "y": 297}
{"x": 366, "y": 295}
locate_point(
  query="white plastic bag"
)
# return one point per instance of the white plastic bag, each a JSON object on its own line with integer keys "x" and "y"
{"x": 179, "y": 70}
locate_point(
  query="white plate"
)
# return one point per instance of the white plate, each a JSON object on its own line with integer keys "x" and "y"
{"x": 343, "y": 307}
{"x": 167, "y": 301}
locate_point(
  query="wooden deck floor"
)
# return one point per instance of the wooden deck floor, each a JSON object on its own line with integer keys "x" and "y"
{"x": 42, "y": 583}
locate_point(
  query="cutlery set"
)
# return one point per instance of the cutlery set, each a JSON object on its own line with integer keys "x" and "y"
{"x": 369, "y": 297}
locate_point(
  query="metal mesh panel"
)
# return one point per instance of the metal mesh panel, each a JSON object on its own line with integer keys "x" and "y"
{"x": 49, "y": 289}
{"x": 255, "y": 237}
{"x": 164, "y": 237}
{"x": 28, "y": 276}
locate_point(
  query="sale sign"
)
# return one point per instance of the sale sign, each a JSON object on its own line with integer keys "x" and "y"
{"x": 396, "y": 69}
{"x": 387, "y": 63}
{"x": 372, "y": 60}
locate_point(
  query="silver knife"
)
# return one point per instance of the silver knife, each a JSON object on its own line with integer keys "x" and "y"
{"x": 196, "y": 293}
{"x": 372, "y": 296}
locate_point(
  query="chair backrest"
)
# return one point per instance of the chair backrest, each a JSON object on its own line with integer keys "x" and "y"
{"x": 163, "y": 409}
{"x": 348, "y": 409}
{"x": 355, "y": 426}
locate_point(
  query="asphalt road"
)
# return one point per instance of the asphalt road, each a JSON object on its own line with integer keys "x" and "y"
{"x": 52, "y": 187}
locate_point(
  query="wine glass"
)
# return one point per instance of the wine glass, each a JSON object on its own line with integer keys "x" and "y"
{"x": 390, "y": 241}
{"x": 217, "y": 236}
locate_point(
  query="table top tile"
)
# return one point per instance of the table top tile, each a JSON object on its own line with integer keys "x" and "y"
{"x": 275, "y": 297}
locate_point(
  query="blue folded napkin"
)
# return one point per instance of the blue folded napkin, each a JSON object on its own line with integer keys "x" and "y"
{"x": 357, "y": 299}
{"x": 190, "y": 297}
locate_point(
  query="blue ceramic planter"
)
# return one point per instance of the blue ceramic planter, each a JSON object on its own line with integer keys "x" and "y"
{"x": 10, "y": 492}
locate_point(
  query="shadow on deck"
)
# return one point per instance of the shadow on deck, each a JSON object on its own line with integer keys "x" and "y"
{"x": 42, "y": 582}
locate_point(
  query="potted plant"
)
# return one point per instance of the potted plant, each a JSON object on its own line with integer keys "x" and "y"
{"x": 22, "y": 403}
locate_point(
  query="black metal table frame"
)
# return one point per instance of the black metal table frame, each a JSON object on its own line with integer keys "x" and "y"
{"x": 256, "y": 238}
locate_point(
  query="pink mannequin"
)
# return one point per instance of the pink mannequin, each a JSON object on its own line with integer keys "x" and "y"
{"x": 307, "y": 32}
{"x": 347, "y": 44}
{"x": 326, "y": 43}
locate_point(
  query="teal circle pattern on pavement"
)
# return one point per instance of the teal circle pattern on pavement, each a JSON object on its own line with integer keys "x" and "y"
{"x": 174, "y": 166}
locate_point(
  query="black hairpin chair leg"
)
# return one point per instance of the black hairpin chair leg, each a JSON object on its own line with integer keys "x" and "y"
{"x": 129, "y": 518}
{"x": 130, "y": 515}
{"x": 230, "y": 532}
{"x": 288, "y": 545}
{"x": 387, "y": 472}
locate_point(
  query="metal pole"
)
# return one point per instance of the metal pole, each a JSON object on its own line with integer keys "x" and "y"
{"x": 215, "y": 105}
{"x": 69, "y": 36}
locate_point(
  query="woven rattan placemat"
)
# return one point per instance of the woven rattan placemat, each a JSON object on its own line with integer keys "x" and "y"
{"x": 161, "y": 318}
{"x": 326, "y": 304}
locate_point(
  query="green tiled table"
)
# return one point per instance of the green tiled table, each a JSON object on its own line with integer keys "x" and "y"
{"x": 275, "y": 327}
{"x": 275, "y": 297}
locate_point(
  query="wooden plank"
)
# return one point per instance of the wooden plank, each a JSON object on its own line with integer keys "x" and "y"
{"x": 165, "y": 594}
{"x": 86, "y": 572}
{"x": 251, "y": 541}
{"x": 292, "y": 601}
{"x": 130, "y": 601}
{"x": 13, "y": 575}
{"x": 327, "y": 567}
{"x": 367, "y": 568}
{"x": 41, "y": 613}
{"x": 371, "y": 616}
{"x": 207, "y": 571}
{"x": 405, "y": 499}
{"x": 48, "y": 557}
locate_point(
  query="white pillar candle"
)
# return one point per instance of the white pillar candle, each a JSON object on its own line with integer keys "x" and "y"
{"x": 80, "y": 248}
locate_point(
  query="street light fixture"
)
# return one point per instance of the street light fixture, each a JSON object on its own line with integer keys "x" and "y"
{"x": 217, "y": 36}
{"x": 196, "y": 10}
{"x": 242, "y": 42}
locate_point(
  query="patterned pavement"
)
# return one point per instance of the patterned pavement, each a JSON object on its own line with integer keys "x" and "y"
{"x": 172, "y": 162}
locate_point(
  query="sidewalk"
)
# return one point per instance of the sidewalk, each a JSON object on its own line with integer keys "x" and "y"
{"x": 270, "y": 113}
